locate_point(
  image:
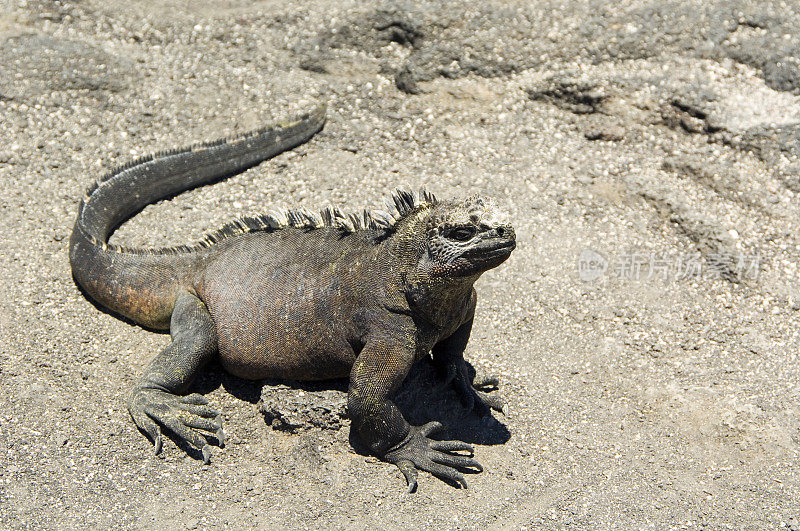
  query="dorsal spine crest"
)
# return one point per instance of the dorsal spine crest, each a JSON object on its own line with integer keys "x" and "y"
{"x": 399, "y": 205}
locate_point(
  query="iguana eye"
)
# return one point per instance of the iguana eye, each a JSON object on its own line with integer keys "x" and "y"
{"x": 461, "y": 234}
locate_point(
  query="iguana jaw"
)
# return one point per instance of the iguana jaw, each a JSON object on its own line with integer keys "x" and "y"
{"x": 491, "y": 251}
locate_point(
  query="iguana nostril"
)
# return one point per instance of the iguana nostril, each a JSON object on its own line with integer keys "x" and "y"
{"x": 501, "y": 231}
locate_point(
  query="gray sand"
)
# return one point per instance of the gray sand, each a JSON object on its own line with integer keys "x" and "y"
{"x": 645, "y": 330}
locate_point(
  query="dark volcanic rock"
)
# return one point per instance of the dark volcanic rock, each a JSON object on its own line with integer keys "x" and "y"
{"x": 295, "y": 408}
{"x": 576, "y": 95}
{"x": 483, "y": 40}
{"x": 790, "y": 176}
{"x": 783, "y": 73}
{"x": 763, "y": 36}
{"x": 769, "y": 142}
{"x": 492, "y": 41}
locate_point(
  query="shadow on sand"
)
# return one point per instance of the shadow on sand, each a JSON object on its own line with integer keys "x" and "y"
{"x": 297, "y": 406}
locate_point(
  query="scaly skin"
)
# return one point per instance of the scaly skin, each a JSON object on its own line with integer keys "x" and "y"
{"x": 296, "y": 295}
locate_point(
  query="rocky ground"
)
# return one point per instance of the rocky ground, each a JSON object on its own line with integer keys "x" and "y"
{"x": 645, "y": 330}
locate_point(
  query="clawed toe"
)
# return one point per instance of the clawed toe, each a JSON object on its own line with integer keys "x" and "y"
{"x": 419, "y": 452}
{"x": 410, "y": 473}
{"x": 188, "y": 418}
{"x": 486, "y": 382}
{"x": 492, "y": 400}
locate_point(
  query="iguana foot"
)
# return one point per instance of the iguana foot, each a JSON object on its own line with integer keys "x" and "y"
{"x": 189, "y": 417}
{"x": 479, "y": 394}
{"x": 417, "y": 451}
{"x": 486, "y": 388}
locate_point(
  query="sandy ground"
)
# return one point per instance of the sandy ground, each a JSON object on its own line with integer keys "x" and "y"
{"x": 645, "y": 330}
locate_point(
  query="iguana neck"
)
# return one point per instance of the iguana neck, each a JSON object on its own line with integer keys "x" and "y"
{"x": 438, "y": 300}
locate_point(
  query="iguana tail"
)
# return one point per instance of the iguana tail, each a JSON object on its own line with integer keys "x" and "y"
{"x": 142, "y": 284}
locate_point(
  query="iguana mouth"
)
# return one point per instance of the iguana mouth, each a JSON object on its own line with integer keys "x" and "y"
{"x": 502, "y": 250}
{"x": 490, "y": 253}
{"x": 491, "y": 248}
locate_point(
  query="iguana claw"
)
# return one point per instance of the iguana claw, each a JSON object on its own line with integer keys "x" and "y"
{"x": 189, "y": 418}
{"x": 489, "y": 382}
{"x": 417, "y": 451}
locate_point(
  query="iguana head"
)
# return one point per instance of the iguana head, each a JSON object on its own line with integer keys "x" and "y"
{"x": 466, "y": 238}
{"x": 445, "y": 246}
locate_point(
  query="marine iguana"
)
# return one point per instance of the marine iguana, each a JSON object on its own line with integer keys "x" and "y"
{"x": 295, "y": 294}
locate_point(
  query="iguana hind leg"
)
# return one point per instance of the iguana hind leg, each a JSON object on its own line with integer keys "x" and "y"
{"x": 155, "y": 403}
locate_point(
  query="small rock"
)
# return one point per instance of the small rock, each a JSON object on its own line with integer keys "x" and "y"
{"x": 293, "y": 409}
{"x": 692, "y": 124}
{"x": 59, "y": 439}
{"x": 609, "y": 133}
{"x": 783, "y": 73}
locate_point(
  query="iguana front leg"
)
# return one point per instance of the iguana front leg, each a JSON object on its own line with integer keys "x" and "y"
{"x": 377, "y": 374}
{"x": 448, "y": 357}
{"x": 154, "y": 403}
